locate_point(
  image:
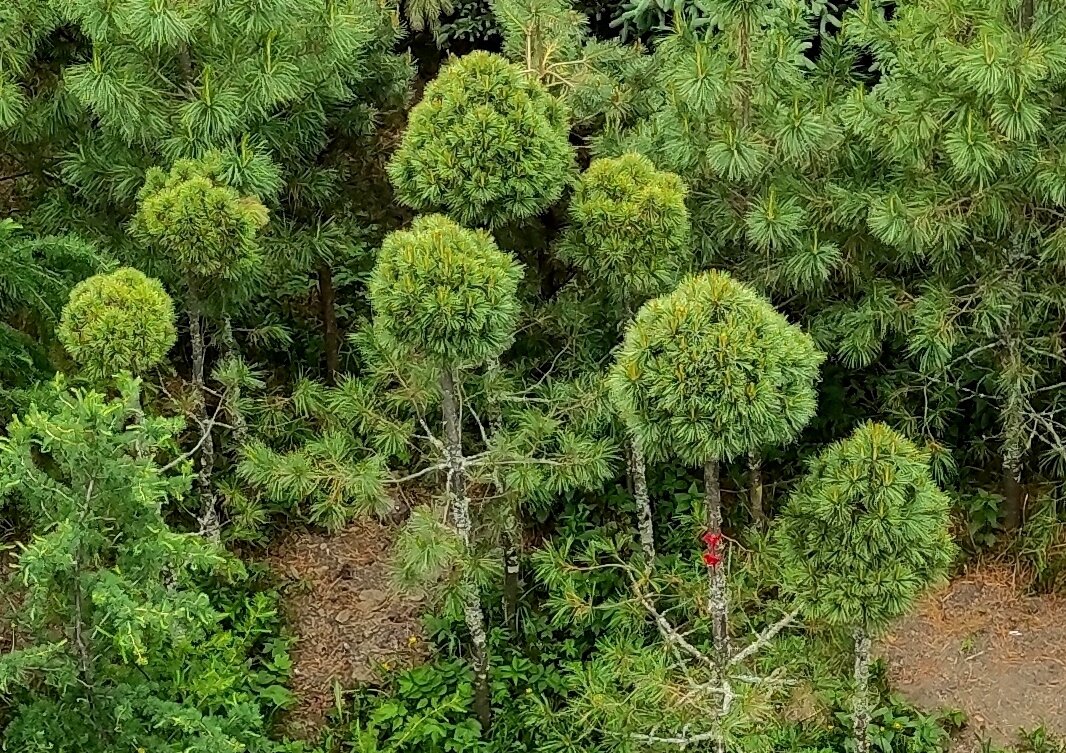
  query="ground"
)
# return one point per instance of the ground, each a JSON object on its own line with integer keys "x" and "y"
{"x": 982, "y": 646}
{"x": 350, "y": 622}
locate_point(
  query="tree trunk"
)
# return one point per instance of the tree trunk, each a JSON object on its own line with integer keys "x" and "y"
{"x": 861, "y": 702}
{"x": 755, "y": 490}
{"x": 330, "y": 334}
{"x": 645, "y": 523}
{"x": 233, "y": 396}
{"x": 512, "y": 538}
{"x": 473, "y": 614}
{"x": 209, "y": 523}
{"x": 718, "y": 601}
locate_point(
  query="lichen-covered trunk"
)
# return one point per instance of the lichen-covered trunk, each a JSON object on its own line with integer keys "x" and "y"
{"x": 473, "y": 613}
{"x": 755, "y": 489}
{"x": 639, "y": 480}
{"x": 718, "y": 601}
{"x": 209, "y": 523}
{"x": 512, "y": 571}
{"x": 861, "y": 703}
{"x": 331, "y": 340}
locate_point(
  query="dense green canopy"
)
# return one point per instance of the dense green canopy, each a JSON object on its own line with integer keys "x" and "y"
{"x": 712, "y": 372}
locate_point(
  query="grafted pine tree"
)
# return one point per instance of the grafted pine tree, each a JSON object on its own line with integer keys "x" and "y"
{"x": 448, "y": 294}
{"x": 747, "y": 114}
{"x": 118, "y": 321}
{"x": 487, "y": 145}
{"x": 862, "y": 536}
{"x": 629, "y": 236}
{"x": 204, "y": 234}
{"x": 706, "y": 374}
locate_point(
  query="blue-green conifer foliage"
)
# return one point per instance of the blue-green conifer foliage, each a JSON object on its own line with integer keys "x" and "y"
{"x": 865, "y": 532}
{"x": 712, "y": 371}
{"x": 487, "y": 145}
{"x": 446, "y": 292}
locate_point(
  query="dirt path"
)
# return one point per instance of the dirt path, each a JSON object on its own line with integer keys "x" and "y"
{"x": 983, "y": 647}
{"x": 349, "y": 619}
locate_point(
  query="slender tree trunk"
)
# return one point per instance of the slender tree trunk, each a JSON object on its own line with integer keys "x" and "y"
{"x": 718, "y": 602}
{"x": 755, "y": 489}
{"x": 861, "y": 702}
{"x": 645, "y": 523}
{"x": 233, "y": 395}
{"x": 209, "y": 523}
{"x": 473, "y": 613}
{"x": 330, "y": 334}
{"x": 512, "y": 538}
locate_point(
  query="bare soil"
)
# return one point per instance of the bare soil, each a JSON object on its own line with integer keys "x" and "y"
{"x": 350, "y": 622}
{"x": 982, "y": 646}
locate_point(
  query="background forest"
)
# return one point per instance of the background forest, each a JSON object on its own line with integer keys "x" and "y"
{"x": 664, "y": 353}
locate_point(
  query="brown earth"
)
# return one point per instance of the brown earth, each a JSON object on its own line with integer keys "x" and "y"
{"x": 350, "y": 622}
{"x": 982, "y": 646}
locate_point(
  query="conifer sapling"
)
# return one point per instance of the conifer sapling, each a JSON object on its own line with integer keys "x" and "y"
{"x": 706, "y": 374}
{"x": 204, "y": 234}
{"x": 861, "y": 537}
{"x": 629, "y": 236}
{"x": 448, "y": 294}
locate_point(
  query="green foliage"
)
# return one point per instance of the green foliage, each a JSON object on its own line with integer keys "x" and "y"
{"x": 36, "y": 278}
{"x": 114, "y": 616}
{"x": 865, "y": 532}
{"x": 445, "y": 292}
{"x": 201, "y": 228}
{"x": 629, "y": 229}
{"x": 486, "y": 144}
{"x": 120, "y": 321}
{"x": 712, "y": 371}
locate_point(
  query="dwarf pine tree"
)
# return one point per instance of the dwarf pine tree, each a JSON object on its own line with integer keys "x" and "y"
{"x": 448, "y": 294}
{"x": 629, "y": 236}
{"x": 707, "y": 374}
{"x": 204, "y": 235}
{"x": 969, "y": 192}
{"x": 862, "y": 536}
{"x": 113, "y": 616}
{"x": 487, "y": 144}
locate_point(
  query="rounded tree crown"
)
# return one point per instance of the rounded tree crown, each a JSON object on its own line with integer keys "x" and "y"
{"x": 865, "y": 532}
{"x": 204, "y": 228}
{"x": 712, "y": 371}
{"x": 487, "y": 144}
{"x": 121, "y": 321}
{"x": 446, "y": 292}
{"x": 629, "y": 228}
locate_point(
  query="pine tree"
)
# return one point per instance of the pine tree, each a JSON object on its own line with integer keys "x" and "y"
{"x": 969, "y": 191}
{"x": 36, "y": 279}
{"x": 119, "y": 321}
{"x": 862, "y": 536}
{"x": 486, "y": 144}
{"x": 707, "y": 374}
{"x": 629, "y": 236}
{"x": 205, "y": 236}
{"x": 448, "y": 295}
{"x": 114, "y": 614}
